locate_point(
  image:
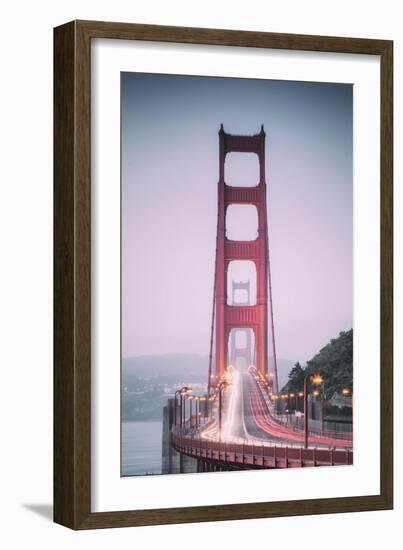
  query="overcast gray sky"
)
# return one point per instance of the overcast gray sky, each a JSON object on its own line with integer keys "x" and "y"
{"x": 169, "y": 193}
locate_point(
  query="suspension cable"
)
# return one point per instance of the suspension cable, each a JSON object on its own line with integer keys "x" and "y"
{"x": 213, "y": 312}
{"x": 273, "y": 338}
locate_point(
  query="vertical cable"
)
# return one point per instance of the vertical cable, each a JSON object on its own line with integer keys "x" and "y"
{"x": 213, "y": 315}
{"x": 273, "y": 338}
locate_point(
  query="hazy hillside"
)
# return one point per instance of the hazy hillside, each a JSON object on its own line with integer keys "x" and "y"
{"x": 334, "y": 361}
{"x": 151, "y": 366}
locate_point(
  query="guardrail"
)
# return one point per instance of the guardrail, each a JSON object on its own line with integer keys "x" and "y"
{"x": 260, "y": 456}
{"x": 317, "y": 428}
{"x": 330, "y": 429}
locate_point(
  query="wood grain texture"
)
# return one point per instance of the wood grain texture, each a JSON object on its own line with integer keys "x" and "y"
{"x": 64, "y": 378}
{"x": 72, "y": 259}
{"x": 386, "y": 358}
{"x": 72, "y": 268}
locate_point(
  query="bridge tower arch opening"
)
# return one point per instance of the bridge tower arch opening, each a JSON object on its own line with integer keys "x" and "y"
{"x": 241, "y": 340}
{"x": 228, "y": 318}
{"x": 241, "y": 348}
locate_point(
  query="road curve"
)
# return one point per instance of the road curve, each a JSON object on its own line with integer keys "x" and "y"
{"x": 248, "y": 417}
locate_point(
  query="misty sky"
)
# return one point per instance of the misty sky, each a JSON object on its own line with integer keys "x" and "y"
{"x": 169, "y": 206}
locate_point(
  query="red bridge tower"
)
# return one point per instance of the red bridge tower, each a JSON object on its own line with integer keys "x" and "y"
{"x": 255, "y": 317}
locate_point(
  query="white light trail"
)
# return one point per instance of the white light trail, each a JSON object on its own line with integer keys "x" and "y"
{"x": 231, "y": 418}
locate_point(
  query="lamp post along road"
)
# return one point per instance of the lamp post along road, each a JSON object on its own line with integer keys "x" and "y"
{"x": 322, "y": 402}
{"x": 300, "y": 394}
{"x": 178, "y": 392}
{"x": 190, "y": 398}
{"x": 347, "y": 392}
{"x": 219, "y": 413}
{"x": 182, "y": 393}
{"x": 184, "y": 411}
{"x": 198, "y": 411}
{"x": 317, "y": 380}
{"x": 306, "y": 412}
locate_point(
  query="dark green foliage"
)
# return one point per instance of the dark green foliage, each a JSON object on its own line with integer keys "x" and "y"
{"x": 334, "y": 362}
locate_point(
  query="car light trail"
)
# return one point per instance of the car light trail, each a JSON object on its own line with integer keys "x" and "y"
{"x": 231, "y": 417}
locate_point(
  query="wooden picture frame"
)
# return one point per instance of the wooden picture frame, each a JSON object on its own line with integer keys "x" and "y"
{"x": 72, "y": 269}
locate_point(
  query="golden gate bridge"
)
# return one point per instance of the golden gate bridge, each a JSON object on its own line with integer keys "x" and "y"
{"x": 236, "y": 424}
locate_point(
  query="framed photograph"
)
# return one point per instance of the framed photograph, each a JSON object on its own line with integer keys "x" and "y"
{"x": 222, "y": 275}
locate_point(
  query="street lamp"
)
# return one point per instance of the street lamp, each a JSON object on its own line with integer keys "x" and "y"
{"x": 284, "y": 397}
{"x": 196, "y": 399}
{"x": 348, "y": 392}
{"x": 197, "y": 407}
{"x": 190, "y": 398}
{"x": 292, "y": 402}
{"x": 182, "y": 391}
{"x": 284, "y": 405}
{"x": 322, "y": 398}
{"x": 275, "y": 397}
{"x": 316, "y": 380}
{"x": 176, "y": 406}
{"x": 199, "y": 414}
{"x": 300, "y": 394}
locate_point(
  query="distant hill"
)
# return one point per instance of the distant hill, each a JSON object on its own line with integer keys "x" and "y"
{"x": 334, "y": 362}
{"x": 181, "y": 365}
{"x": 151, "y": 366}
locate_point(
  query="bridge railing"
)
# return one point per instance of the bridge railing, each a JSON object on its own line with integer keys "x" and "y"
{"x": 266, "y": 456}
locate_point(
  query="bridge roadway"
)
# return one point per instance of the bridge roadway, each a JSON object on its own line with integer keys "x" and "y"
{"x": 253, "y": 438}
{"x": 249, "y": 417}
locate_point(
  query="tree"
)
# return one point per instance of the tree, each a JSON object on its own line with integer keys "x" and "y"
{"x": 334, "y": 362}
